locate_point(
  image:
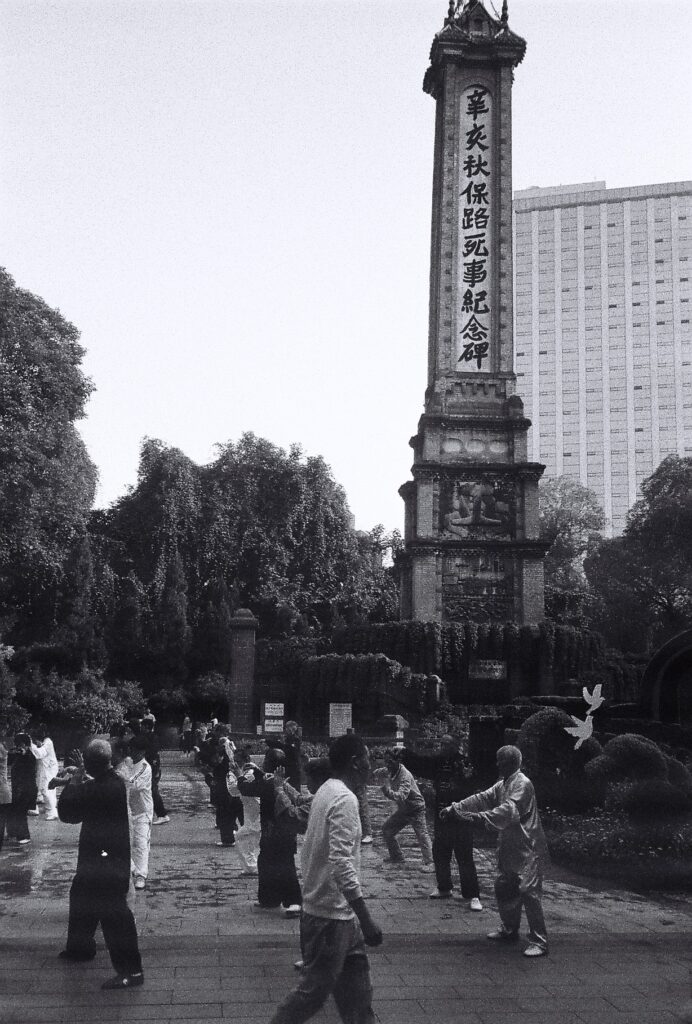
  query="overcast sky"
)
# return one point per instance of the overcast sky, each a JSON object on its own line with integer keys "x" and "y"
{"x": 231, "y": 201}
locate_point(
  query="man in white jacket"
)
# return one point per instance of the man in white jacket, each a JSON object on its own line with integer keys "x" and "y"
{"x": 46, "y": 769}
{"x": 335, "y": 925}
{"x": 136, "y": 772}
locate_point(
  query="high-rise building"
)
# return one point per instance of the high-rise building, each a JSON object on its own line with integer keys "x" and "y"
{"x": 602, "y": 332}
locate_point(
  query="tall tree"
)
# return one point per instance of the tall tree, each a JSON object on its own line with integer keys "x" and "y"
{"x": 571, "y": 520}
{"x": 47, "y": 480}
{"x": 644, "y": 578}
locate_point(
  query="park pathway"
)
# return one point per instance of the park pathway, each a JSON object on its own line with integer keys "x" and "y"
{"x": 210, "y": 956}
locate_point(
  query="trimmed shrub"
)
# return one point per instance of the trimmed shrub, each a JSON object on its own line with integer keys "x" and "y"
{"x": 654, "y": 798}
{"x": 628, "y": 758}
{"x": 679, "y": 776}
{"x": 545, "y": 744}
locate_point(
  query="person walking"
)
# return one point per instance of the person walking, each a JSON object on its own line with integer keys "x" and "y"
{"x": 95, "y": 796}
{"x": 46, "y": 769}
{"x": 509, "y": 807}
{"x": 22, "y": 764}
{"x": 402, "y": 788}
{"x": 186, "y": 735}
{"x": 449, "y": 772}
{"x": 335, "y": 925}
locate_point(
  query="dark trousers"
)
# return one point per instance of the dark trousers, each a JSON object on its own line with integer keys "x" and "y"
{"x": 229, "y": 813}
{"x": 90, "y": 907}
{"x": 277, "y": 880}
{"x": 4, "y": 816}
{"x": 159, "y": 807}
{"x": 454, "y": 837}
{"x": 336, "y": 963}
{"x": 17, "y": 821}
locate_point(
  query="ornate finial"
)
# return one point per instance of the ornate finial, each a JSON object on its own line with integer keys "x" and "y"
{"x": 505, "y": 13}
{"x": 450, "y": 13}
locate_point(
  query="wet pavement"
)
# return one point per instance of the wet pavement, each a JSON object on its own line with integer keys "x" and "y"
{"x": 209, "y": 955}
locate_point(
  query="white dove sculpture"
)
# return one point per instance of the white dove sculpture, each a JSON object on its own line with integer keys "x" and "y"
{"x": 582, "y": 730}
{"x": 594, "y": 700}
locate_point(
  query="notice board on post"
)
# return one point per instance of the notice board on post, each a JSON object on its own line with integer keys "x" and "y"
{"x": 272, "y": 717}
{"x": 340, "y": 719}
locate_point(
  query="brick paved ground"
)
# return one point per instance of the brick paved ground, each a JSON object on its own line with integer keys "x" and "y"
{"x": 209, "y": 955}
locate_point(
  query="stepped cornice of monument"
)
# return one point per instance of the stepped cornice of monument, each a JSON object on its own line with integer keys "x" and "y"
{"x": 472, "y": 35}
{"x": 443, "y": 547}
{"x": 473, "y": 418}
{"x": 435, "y": 470}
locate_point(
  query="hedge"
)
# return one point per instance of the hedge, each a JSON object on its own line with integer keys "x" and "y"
{"x": 445, "y": 649}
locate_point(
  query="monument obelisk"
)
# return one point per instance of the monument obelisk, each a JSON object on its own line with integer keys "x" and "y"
{"x": 471, "y": 536}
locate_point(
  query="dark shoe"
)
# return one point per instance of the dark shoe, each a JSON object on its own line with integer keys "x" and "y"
{"x": 124, "y": 981}
{"x": 77, "y": 958}
{"x": 500, "y": 935}
{"x": 439, "y": 894}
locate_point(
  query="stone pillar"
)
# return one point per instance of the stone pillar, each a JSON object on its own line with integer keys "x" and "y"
{"x": 242, "y": 682}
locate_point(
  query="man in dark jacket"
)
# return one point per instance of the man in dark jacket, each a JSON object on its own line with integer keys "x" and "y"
{"x": 449, "y": 772}
{"x": 96, "y": 796}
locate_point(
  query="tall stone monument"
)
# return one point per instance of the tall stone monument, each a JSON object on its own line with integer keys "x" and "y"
{"x": 472, "y": 549}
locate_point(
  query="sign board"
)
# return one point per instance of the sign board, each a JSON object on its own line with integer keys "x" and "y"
{"x": 272, "y": 717}
{"x": 487, "y": 669}
{"x": 273, "y": 710}
{"x": 340, "y": 719}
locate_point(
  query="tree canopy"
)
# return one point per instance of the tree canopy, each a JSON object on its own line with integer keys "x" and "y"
{"x": 47, "y": 480}
{"x": 571, "y": 520}
{"x": 644, "y": 578}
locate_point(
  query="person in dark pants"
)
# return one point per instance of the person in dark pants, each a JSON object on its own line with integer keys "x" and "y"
{"x": 229, "y": 808}
{"x": 277, "y": 881}
{"x": 101, "y": 883}
{"x": 450, "y": 773}
{"x": 153, "y": 756}
{"x": 290, "y": 745}
{"x": 24, "y": 789}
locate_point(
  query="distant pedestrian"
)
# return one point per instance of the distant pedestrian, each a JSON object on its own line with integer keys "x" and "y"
{"x": 402, "y": 788}
{"x": 290, "y": 744}
{"x": 5, "y": 791}
{"x": 450, "y": 773}
{"x": 22, "y": 765}
{"x": 335, "y": 925}
{"x": 100, "y": 886}
{"x": 153, "y": 756}
{"x": 509, "y": 808}
{"x": 46, "y": 769}
{"x": 186, "y": 735}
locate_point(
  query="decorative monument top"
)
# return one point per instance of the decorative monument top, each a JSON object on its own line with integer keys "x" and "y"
{"x": 471, "y": 34}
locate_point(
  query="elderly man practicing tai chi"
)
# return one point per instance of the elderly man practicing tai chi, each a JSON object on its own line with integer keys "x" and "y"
{"x": 510, "y": 807}
{"x": 95, "y": 796}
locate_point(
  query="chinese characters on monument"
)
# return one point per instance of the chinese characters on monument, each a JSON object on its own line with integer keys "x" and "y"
{"x": 474, "y": 231}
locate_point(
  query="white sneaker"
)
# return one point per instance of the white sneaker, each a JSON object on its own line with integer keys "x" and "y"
{"x": 475, "y": 904}
{"x": 534, "y": 950}
{"x": 33, "y": 813}
{"x": 366, "y": 841}
{"x": 161, "y": 821}
{"x": 293, "y": 910}
{"x": 51, "y": 817}
{"x": 140, "y": 882}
